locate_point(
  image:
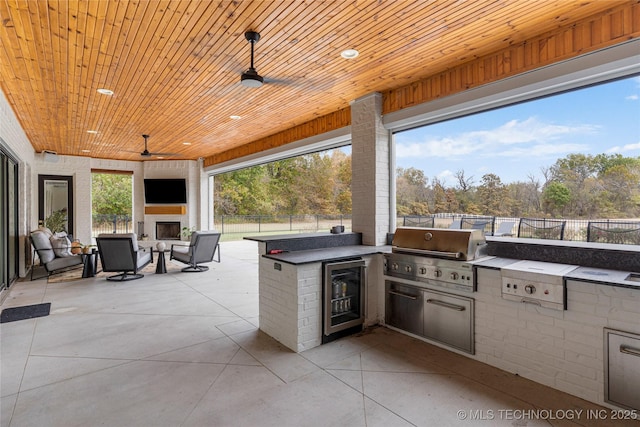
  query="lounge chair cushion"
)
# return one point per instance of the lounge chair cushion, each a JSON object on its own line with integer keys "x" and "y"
{"x": 64, "y": 262}
{"x": 43, "y": 245}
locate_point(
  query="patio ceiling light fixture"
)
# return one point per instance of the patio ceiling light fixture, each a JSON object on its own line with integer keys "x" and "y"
{"x": 349, "y": 53}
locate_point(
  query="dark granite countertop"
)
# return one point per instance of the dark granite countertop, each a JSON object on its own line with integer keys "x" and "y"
{"x": 285, "y": 237}
{"x": 308, "y": 241}
{"x": 327, "y": 254}
{"x": 586, "y": 254}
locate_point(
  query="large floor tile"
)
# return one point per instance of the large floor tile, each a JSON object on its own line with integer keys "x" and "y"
{"x": 139, "y": 393}
{"x": 121, "y": 336}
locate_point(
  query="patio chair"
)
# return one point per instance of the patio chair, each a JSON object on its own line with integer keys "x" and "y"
{"x": 54, "y": 252}
{"x": 202, "y": 248}
{"x": 620, "y": 232}
{"x": 484, "y": 223}
{"x": 505, "y": 229}
{"x": 542, "y": 228}
{"x": 120, "y": 252}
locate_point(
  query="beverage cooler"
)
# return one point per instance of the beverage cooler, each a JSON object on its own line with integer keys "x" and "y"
{"x": 343, "y": 293}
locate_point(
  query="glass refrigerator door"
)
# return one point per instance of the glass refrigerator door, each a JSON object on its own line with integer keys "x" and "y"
{"x": 344, "y": 295}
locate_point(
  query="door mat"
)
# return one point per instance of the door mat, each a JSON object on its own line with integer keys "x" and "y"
{"x": 25, "y": 312}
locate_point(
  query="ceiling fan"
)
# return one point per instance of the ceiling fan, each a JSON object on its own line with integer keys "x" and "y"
{"x": 147, "y": 153}
{"x": 251, "y": 78}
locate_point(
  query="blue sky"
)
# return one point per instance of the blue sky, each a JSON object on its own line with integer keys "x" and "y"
{"x": 516, "y": 142}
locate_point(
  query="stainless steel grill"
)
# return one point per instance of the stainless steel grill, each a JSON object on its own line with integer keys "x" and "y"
{"x": 438, "y": 257}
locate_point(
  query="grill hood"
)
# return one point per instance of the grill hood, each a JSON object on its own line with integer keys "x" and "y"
{"x": 460, "y": 244}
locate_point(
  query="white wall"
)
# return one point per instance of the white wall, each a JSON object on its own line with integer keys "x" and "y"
{"x": 15, "y": 141}
{"x": 31, "y": 164}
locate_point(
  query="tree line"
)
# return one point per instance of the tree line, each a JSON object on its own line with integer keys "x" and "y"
{"x": 576, "y": 186}
{"x": 318, "y": 183}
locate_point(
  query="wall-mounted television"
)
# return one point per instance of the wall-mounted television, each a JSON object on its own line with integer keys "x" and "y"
{"x": 165, "y": 191}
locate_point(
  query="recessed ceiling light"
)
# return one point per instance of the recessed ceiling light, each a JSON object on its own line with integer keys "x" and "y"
{"x": 92, "y": 131}
{"x": 105, "y": 91}
{"x": 235, "y": 117}
{"x": 349, "y": 53}
{"x": 86, "y": 151}
{"x": 186, "y": 143}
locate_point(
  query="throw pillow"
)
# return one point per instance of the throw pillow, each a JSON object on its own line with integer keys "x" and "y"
{"x": 61, "y": 246}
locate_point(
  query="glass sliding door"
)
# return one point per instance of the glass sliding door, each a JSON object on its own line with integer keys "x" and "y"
{"x": 8, "y": 220}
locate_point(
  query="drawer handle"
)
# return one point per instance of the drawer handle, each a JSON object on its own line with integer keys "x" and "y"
{"x": 413, "y": 297}
{"x": 629, "y": 350}
{"x": 446, "y": 304}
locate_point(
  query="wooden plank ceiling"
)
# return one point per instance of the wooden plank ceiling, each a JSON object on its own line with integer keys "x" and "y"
{"x": 175, "y": 66}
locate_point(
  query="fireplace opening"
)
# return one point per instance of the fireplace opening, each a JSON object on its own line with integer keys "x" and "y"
{"x": 168, "y": 230}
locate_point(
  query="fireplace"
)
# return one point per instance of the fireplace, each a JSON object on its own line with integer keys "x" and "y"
{"x": 168, "y": 230}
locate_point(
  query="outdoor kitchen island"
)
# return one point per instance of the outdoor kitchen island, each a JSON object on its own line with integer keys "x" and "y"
{"x": 584, "y": 341}
{"x": 291, "y": 282}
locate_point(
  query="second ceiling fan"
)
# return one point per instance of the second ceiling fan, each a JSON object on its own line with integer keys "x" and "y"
{"x": 147, "y": 153}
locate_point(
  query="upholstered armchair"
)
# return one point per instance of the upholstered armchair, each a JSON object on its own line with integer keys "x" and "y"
{"x": 54, "y": 252}
{"x": 202, "y": 247}
{"x": 120, "y": 253}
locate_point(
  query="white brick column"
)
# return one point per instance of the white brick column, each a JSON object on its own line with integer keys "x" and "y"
{"x": 370, "y": 170}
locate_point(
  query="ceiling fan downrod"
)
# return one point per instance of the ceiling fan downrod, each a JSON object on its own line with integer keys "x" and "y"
{"x": 251, "y": 78}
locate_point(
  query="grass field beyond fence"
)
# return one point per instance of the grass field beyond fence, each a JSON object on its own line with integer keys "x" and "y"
{"x": 236, "y": 227}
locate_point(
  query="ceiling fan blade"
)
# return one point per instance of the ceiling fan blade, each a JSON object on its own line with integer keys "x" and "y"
{"x": 165, "y": 154}
{"x": 147, "y": 153}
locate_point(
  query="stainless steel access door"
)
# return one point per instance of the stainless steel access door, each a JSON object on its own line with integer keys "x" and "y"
{"x": 622, "y": 368}
{"x": 403, "y": 307}
{"x": 449, "y": 319}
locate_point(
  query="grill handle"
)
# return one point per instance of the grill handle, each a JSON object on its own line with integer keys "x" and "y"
{"x": 400, "y": 294}
{"x": 452, "y": 255}
{"x": 446, "y": 304}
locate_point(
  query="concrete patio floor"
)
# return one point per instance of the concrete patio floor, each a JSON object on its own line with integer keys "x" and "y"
{"x": 184, "y": 349}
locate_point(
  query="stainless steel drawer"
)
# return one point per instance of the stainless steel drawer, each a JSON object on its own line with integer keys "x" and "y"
{"x": 622, "y": 368}
{"x": 404, "y": 307}
{"x": 449, "y": 319}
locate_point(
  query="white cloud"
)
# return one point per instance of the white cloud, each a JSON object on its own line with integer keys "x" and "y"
{"x": 632, "y": 97}
{"x": 514, "y": 138}
{"x": 624, "y": 148}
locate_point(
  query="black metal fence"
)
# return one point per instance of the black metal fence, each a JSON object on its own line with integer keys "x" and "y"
{"x": 111, "y": 224}
{"x": 244, "y": 224}
{"x": 574, "y": 229}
